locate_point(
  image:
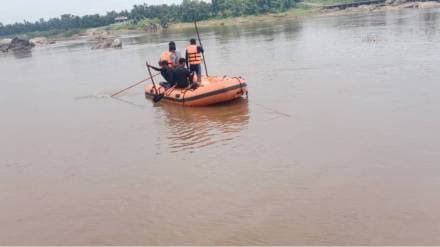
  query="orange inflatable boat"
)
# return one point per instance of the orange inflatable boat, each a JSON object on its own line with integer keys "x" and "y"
{"x": 213, "y": 90}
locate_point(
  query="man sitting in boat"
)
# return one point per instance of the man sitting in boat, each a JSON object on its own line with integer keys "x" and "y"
{"x": 167, "y": 73}
{"x": 172, "y": 55}
{"x": 182, "y": 77}
{"x": 194, "y": 59}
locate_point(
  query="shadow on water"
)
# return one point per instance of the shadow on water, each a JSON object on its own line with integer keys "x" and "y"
{"x": 191, "y": 128}
{"x": 431, "y": 22}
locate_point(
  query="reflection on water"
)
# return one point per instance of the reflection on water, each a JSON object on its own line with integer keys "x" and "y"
{"x": 198, "y": 127}
{"x": 22, "y": 53}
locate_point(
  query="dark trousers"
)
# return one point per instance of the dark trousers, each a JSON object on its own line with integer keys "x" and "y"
{"x": 196, "y": 68}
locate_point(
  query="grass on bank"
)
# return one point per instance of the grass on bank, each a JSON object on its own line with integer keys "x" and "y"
{"x": 326, "y": 2}
{"x": 130, "y": 25}
{"x": 301, "y": 9}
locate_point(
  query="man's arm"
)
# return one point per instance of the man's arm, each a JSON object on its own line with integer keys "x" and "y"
{"x": 155, "y": 68}
{"x": 200, "y": 49}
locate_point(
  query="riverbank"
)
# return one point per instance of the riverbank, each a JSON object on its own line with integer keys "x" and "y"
{"x": 389, "y": 5}
{"x": 303, "y": 9}
{"x": 113, "y": 30}
{"x": 122, "y": 30}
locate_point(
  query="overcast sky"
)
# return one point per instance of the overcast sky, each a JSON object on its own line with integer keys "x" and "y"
{"x": 31, "y": 10}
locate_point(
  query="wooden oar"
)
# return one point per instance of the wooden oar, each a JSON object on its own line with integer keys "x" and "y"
{"x": 157, "y": 97}
{"x": 134, "y": 85}
{"x": 200, "y": 42}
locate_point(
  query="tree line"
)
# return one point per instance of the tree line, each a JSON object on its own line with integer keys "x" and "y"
{"x": 184, "y": 12}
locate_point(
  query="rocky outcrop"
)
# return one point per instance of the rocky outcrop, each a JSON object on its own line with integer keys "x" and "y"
{"x": 4, "y": 44}
{"x": 117, "y": 43}
{"x": 4, "y": 48}
{"x": 402, "y": 3}
{"x": 16, "y": 44}
{"x": 406, "y": 4}
{"x": 5, "y": 41}
{"x": 39, "y": 41}
{"x": 428, "y": 5}
{"x": 388, "y": 5}
{"x": 108, "y": 43}
{"x": 97, "y": 34}
{"x": 103, "y": 39}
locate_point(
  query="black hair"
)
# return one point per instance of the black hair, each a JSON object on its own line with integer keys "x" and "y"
{"x": 171, "y": 46}
{"x": 163, "y": 62}
{"x": 192, "y": 41}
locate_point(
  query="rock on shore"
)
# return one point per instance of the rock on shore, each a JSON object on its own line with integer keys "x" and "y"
{"x": 117, "y": 43}
{"x": 15, "y": 44}
{"x": 108, "y": 43}
{"x": 5, "y": 41}
{"x": 4, "y": 44}
{"x": 103, "y": 38}
{"x": 39, "y": 41}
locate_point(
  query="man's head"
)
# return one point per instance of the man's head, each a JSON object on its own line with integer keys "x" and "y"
{"x": 172, "y": 46}
{"x": 182, "y": 62}
{"x": 192, "y": 41}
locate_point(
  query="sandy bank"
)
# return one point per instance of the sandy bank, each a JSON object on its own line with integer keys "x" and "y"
{"x": 387, "y": 6}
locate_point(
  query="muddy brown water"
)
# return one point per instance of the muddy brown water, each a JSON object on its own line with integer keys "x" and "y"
{"x": 337, "y": 144}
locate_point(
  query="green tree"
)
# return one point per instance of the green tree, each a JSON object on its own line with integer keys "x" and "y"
{"x": 184, "y": 12}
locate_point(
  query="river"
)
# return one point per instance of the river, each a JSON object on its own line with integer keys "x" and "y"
{"x": 337, "y": 143}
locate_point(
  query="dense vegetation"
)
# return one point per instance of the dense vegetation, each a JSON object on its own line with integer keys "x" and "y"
{"x": 184, "y": 12}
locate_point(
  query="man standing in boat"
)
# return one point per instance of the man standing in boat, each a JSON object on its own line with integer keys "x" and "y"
{"x": 194, "y": 59}
{"x": 172, "y": 55}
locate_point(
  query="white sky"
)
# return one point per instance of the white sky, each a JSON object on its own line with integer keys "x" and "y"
{"x": 31, "y": 10}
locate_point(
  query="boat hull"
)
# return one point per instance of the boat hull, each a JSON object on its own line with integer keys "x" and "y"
{"x": 213, "y": 90}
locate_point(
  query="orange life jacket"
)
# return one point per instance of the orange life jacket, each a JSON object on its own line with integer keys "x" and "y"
{"x": 166, "y": 55}
{"x": 194, "y": 57}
